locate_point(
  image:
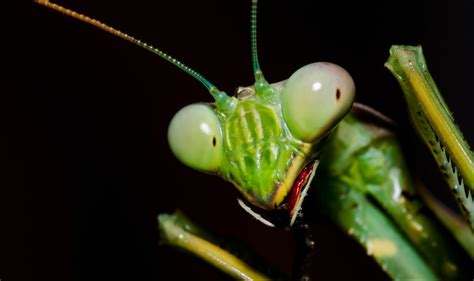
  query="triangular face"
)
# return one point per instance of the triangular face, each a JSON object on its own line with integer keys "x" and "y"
{"x": 262, "y": 158}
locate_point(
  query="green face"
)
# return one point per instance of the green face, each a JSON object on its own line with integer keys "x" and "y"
{"x": 262, "y": 143}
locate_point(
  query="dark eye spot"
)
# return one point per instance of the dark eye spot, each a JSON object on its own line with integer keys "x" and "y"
{"x": 214, "y": 141}
{"x": 338, "y": 94}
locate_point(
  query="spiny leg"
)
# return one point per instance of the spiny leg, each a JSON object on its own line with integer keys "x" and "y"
{"x": 435, "y": 124}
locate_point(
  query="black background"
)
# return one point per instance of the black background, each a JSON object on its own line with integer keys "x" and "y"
{"x": 85, "y": 162}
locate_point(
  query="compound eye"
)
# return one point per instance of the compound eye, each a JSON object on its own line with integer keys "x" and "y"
{"x": 315, "y": 98}
{"x": 195, "y": 137}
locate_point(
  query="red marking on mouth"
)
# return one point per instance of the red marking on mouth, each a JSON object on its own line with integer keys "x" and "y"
{"x": 298, "y": 185}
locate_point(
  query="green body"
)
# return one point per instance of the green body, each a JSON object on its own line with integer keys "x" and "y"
{"x": 364, "y": 186}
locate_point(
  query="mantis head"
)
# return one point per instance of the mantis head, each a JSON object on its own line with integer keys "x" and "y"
{"x": 266, "y": 139}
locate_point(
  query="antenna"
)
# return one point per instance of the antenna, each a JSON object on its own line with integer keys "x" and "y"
{"x": 253, "y": 34}
{"x": 221, "y": 98}
{"x": 262, "y": 87}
